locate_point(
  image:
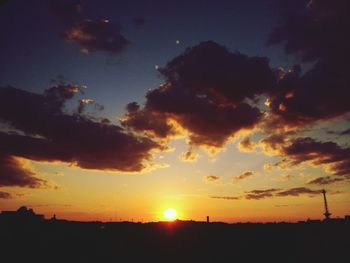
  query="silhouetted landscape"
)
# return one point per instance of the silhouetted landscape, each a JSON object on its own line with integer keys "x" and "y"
{"x": 33, "y": 239}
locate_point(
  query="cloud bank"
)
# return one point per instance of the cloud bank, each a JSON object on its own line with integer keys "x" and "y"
{"x": 206, "y": 93}
{"x": 43, "y": 131}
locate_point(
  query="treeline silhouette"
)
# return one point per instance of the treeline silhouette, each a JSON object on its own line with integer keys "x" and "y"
{"x": 180, "y": 241}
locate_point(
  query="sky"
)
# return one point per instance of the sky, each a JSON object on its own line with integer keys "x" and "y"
{"x": 119, "y": 110}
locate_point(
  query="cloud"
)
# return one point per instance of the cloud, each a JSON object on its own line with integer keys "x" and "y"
{"x": 244, "y": 175}
{"x": 260, "y": 194}
{"x": 50, "y": 134}
{"x": 205, "y": 93}
{"x": 225, "y": 197}
{"x": 298, "y": 191}
{"x": 83, "y": 103}
{"x": 286, "y": 177}
{"x": 314, "y": 34}
{"x": 14, "y": 173}
{"x": 189, "y": 156}
{"x": 301, "y": 150}
{"x": 102, "y": 35}
{"x": 343, "y": 132}
{"x": 272, "y": 193}
{"x": 268, "y": 166}
{"x": 325, "y": 180}
{"x": 315, "y": 30}
{"x": 272, "y": 144}
{"x": 340, "y": 168}
{"x": 90, "y": 35}
{"x": 151, "y": 123}
{"x": 56, "y": 96}
{"x": 4, "y": 195}
{"x": 246, "y": 145}
{"x": 211, "y": 178}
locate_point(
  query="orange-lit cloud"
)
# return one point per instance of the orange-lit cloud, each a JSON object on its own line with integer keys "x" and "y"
{"x": 89, "y": 34}
{"x": 243, "y": 175}
{"x": 5, "y": 195}
{"x": 246, "y": 145}
{"x": 211, "y": 178}
{"x": 189, "y": 156}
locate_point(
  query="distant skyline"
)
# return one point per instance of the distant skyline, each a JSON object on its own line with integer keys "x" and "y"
{"x": 116, "y": 110}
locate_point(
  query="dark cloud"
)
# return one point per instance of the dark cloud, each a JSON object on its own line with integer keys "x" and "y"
{"x": 341, "y": 168}
{"x": 326, "y": 180}
{"x": 305, "y": 149}
{"x": 272, "y": 143}
{"x": 331, "y": 154}
{"x": 260, "y": 194}
{"x": 318, "y": 34}
{"x": 344, "y": 132}
{"x": 299, "y": 191}
{"x": 150, "y": 122}
{"x": 244, "y": 175}
{"x": 4, "y": 195}
{"x": 90, "y": 35}
{"x": 13, "y": 173}
{"x": 319, "y": 94}
{"x": 50, "y": 134}
{"x": 208, "y": 123}
{"x": 318, "y": 29}
{"x": 270, "y": 193}
{"x": 211, "y": 178}
{"x": 210, "y": 70}
{"x": 57, "y": 95}
{"x": 205, "y": 92}
{"x": 84, "y": 102}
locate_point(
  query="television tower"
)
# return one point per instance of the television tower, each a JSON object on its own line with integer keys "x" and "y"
{"x": 326, "y": 213}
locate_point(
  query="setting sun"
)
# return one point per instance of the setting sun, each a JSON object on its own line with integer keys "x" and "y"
{"x": 170, "y": 214}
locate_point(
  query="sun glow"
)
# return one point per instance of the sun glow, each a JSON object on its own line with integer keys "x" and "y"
{"x": 170, "y": 214}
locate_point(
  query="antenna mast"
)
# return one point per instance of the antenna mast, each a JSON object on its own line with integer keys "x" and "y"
{"x": 327, "y": 214}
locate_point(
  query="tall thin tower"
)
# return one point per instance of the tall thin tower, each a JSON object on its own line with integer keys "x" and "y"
{"x": 327, "y": 214}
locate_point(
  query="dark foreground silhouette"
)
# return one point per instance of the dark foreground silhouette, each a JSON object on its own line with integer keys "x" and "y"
{"x": 40, "y": 240}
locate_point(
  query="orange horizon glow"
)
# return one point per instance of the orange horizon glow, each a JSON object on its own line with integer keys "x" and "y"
{"x": 90, "y": 195}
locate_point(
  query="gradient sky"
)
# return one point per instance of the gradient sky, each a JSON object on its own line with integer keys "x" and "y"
{"x": 118, "y": 110}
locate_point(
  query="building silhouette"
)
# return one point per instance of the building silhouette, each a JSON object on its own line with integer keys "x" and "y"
{"x": 23, "y": 214}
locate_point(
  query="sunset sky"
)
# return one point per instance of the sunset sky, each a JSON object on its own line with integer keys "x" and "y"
{"x": 119, "y": 110}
